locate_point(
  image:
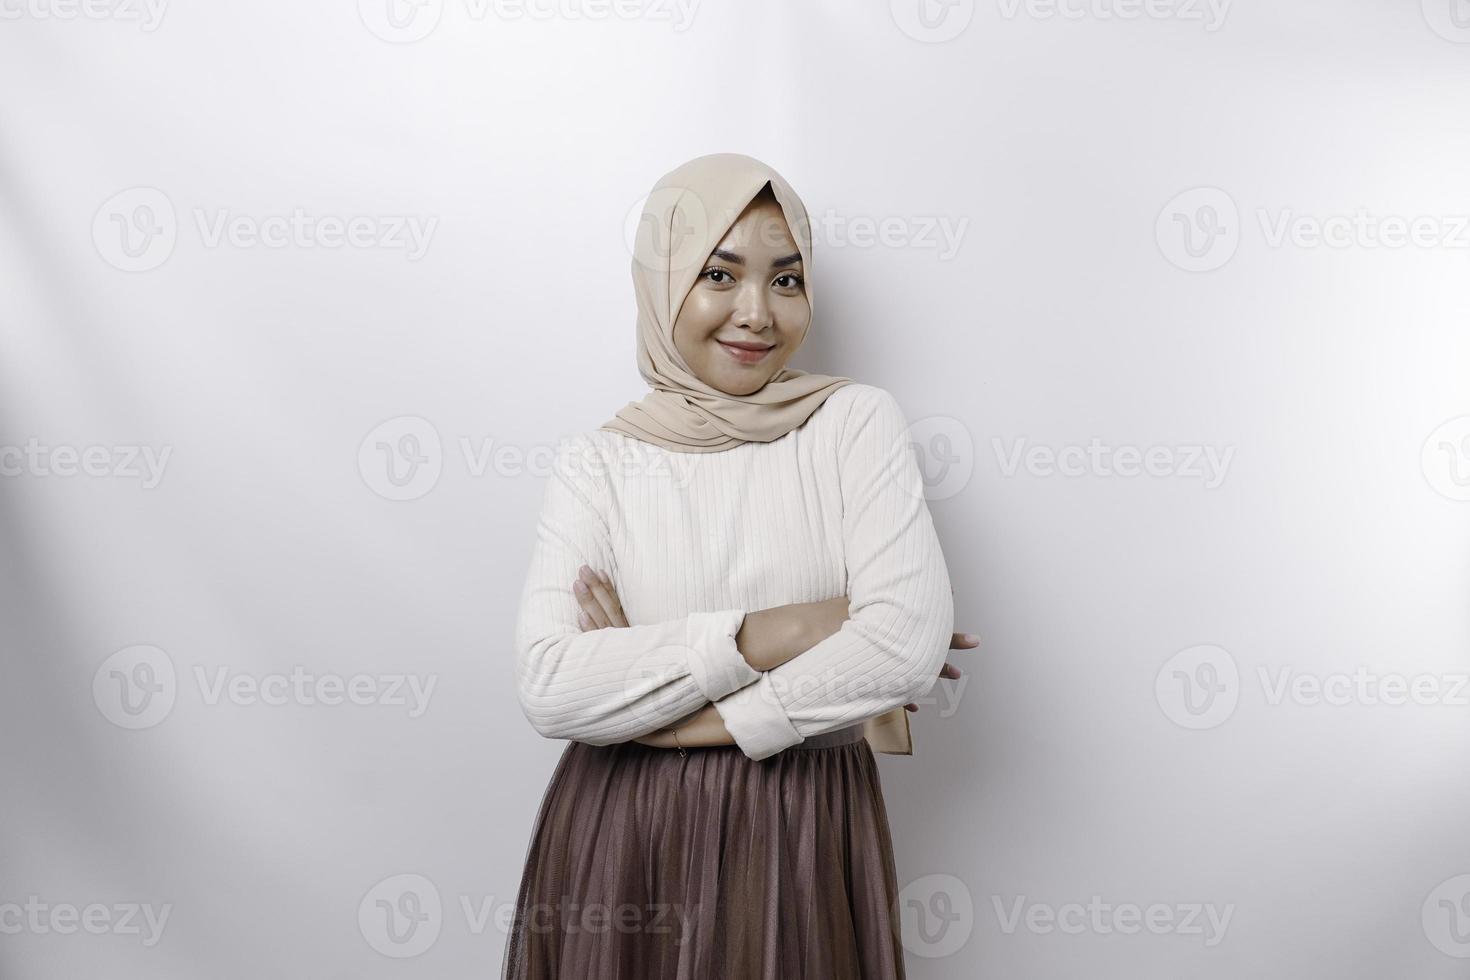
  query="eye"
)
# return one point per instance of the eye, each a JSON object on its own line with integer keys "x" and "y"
{"x": 795, "y": 280}
{"x": 714, "y": 271}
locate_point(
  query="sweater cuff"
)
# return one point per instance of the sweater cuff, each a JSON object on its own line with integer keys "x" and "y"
{"x": 757, "y": 720}
{"x": 715, "y": 662}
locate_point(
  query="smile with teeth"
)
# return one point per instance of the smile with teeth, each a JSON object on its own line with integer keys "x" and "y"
{"x": 746, "y": 352}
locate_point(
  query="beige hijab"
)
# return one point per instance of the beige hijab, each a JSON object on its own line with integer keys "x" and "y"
{"x": 687, "y": 213}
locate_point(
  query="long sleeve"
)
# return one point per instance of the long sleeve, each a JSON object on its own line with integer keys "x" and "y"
{"x": 617, "y": 683}
{"x": 901, "y": 607}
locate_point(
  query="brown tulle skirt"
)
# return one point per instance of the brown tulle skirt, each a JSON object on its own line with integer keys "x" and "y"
{"x": 648, "y": 865}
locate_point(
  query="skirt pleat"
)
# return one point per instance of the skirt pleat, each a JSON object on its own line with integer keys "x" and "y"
{"x": 645, "y": 864}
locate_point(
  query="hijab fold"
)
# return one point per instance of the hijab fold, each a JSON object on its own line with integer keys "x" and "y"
{"x": 686, "y": 215}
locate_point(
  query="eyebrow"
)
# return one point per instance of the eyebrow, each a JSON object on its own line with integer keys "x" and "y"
{"x": 784, "y": 260}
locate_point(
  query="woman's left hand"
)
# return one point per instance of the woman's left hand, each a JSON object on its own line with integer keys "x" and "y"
{"x": 702, "y": 729}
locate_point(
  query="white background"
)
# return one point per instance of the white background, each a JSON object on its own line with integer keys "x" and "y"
{"x": 1068, "y": 149}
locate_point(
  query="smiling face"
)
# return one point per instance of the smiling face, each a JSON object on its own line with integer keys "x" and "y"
{"x": 747, "y": 313}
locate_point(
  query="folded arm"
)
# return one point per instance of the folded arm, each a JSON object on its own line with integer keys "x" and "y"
{"x": 607, "y": 685}
{"x": 901, "y": 607}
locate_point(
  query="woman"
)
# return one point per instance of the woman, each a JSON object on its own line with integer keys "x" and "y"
{"x": 717, "y": 813}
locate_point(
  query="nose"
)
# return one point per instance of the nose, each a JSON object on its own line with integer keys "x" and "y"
{"x": 752, "y": 307}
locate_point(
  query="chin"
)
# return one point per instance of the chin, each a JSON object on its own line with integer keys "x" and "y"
{"x": 741, "y": 382}
{"x": 741, "y": 386}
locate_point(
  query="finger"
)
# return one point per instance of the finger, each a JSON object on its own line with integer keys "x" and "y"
{"x": 604, "y": 592}
{"x": 964, "y": 641}
{"x": 911, "y": 707}
{"x": 585, "y": 621}
{"x": 616, "y": 614}
{"x": 590, "y": 604}
{"x": 950, "y": 671}
{"x": 591, "y": 609}
{"x": 606, "y": 597}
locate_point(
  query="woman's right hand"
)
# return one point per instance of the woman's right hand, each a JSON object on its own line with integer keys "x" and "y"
{"x": 600, "y": 604}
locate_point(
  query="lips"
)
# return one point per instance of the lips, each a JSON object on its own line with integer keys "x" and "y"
{"x": 745, "y": 352}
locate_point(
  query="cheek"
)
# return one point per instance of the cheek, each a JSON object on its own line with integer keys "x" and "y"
{"x": 794, "y": 314}
{"x": 697, "y": 321}
{"x": 702, "y": 312}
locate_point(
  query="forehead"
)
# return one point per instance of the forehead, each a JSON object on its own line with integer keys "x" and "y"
{"x": 761, "y": 226}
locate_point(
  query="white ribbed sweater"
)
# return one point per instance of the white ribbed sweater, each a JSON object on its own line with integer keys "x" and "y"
{"x": 692, "y": 541}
